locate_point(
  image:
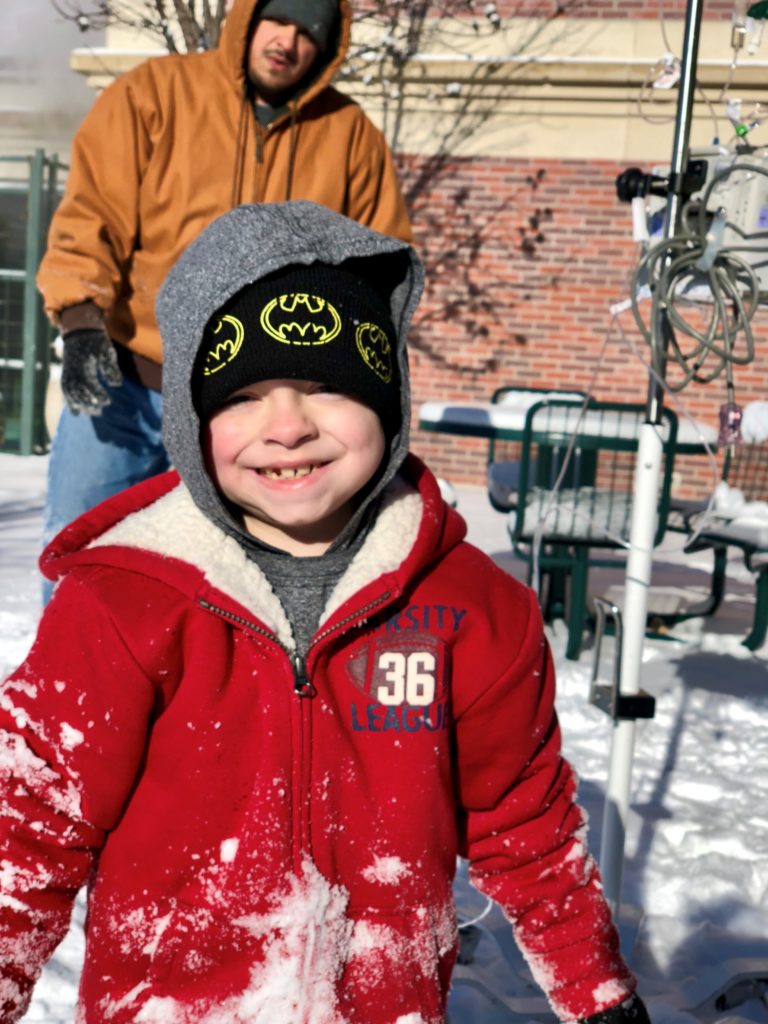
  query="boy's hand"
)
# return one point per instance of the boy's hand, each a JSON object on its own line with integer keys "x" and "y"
{"x": 631, "y": 1011}
{"x": 88, "y": 353}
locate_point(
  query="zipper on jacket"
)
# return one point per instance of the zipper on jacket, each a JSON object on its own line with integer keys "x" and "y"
{"x": 352, "y": 618}
{"x": 302, "y": 684}
{"x": 253, "y": 626}
{"x": 359, "y": 617}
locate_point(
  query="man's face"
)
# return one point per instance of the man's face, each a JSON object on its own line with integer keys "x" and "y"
{"x": 279, "y": 56}
{"x": 293, "y": 456}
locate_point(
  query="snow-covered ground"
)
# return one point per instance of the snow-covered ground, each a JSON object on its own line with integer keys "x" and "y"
{"x": 696, "y": 857}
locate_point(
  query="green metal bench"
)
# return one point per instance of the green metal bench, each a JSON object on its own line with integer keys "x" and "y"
{"x": 503, "y": 481}
{"x": 503, "y": 468}
{"x": 745, "y": 470}
{"x": 575, "y": 494}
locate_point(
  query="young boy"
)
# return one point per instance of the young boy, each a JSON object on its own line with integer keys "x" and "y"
{"x": 276, "y": 694}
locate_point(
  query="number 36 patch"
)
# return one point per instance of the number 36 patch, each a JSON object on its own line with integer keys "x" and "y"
{"x": 411, "y": 671}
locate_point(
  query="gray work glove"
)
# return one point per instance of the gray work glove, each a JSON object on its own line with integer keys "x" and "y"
{"x": 88, "y": 353}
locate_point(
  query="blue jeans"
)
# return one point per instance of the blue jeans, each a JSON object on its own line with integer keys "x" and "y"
{"x": 94, "y": 457}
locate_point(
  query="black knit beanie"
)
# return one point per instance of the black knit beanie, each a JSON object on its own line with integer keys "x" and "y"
{"x": 317, "y": 322}
{"x": 317, "y": 17}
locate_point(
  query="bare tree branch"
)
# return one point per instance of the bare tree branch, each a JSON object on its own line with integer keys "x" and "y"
{"x": 212, "y": 19}
{"x": 190, "y": 29}
{"x": 165, "y": 25}
{"x": 178, "y": 27}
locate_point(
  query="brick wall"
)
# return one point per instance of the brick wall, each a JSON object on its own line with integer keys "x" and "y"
{"x": 524, "y": 259}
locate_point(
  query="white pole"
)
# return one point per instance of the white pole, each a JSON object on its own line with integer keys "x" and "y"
{"x": 647, "y": 472}
{"x": 638, "y": 580}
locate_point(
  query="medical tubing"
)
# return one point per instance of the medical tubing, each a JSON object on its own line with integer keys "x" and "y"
{"x": 732, "y": 282}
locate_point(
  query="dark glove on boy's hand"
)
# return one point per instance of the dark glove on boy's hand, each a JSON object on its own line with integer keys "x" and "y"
{"x": 631, "y": 1011}
{"x": 88, "y": 353}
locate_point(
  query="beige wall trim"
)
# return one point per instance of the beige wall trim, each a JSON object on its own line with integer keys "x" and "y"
{"x": 563, "y": 88}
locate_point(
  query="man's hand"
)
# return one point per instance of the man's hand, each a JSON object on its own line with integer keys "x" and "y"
{"x": 88, "y": 353}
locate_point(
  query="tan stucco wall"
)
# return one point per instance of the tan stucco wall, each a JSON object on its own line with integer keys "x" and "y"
{"x": 568, "y": 88}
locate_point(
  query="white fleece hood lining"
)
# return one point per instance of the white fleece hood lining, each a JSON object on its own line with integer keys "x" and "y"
{"x": 174, "y": 527}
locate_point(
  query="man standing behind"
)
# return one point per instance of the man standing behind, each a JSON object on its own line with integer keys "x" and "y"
{"x": 165, "y": 149}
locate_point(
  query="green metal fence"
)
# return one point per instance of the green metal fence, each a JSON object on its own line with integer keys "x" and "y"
{"x": 29, "y": 191}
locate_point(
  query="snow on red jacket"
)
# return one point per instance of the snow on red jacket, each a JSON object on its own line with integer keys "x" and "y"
{"x": 263, "y": 848}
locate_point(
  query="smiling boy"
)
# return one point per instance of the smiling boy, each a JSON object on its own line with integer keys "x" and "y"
{"x": 298, "y": 391}
{"x": 293, "y": 455}
{"x": 265, "y": 780}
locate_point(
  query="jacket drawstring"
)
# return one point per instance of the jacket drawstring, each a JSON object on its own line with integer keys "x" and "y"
{"x": 294, "y": 130}
{"x": 239, "y": 168}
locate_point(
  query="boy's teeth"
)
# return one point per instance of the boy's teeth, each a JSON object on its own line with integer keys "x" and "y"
{"x": 288, "y": 473}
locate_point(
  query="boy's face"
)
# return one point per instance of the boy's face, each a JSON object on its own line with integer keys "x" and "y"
{"x": 292, "y": 455}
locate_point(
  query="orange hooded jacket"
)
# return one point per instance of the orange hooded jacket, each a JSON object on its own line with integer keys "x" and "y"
{"x": 173, "y": 144}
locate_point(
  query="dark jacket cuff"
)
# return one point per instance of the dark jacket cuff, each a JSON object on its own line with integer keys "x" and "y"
{"x": 631, "y": 1011}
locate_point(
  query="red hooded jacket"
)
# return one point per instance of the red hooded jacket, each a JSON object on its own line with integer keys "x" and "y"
{"x": 266, "y": 841}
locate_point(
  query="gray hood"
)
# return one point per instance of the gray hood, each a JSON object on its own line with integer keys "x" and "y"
{"x": 237, "y": 249}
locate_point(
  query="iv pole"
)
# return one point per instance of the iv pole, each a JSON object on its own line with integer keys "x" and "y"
{"x": 646, "y": 482}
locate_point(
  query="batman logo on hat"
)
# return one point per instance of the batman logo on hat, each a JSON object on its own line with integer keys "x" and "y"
{"x": 226, "y": 347}
{"x": 299, "y": 318}
{"x": 373, "y": 345}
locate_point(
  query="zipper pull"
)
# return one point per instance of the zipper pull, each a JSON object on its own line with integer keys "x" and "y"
{"x": 302, "y": 684}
